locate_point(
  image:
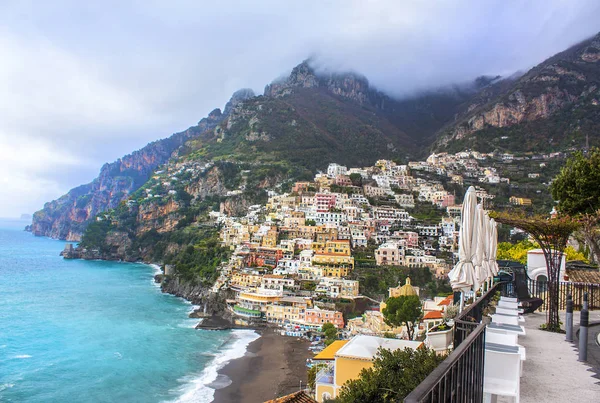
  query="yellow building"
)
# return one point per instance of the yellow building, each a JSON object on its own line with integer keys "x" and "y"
{"x": 325, "y": 234}
{"x": 336, "y": 272}
{"x": 254, "y": 304}
{"x": 245, "y": 280}
{"x": 269, "y": 240}
{"x": 328, "y": 353}
{"x": 334, "y": 265}
{"x": 405, "y": 290}
{"x": 333, "y": 247}
{"x": 288, "y": 309}
{"x": 520, "y": 201}
{"x": 350, "y": 359}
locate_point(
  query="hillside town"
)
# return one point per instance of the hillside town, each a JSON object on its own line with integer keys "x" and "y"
{"x": 294, "y": 257}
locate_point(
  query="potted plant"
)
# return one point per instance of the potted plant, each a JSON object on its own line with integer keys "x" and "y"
{"x": 440, "y": 337}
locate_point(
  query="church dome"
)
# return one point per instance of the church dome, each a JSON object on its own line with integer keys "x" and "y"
{"x": 407, "y": 289}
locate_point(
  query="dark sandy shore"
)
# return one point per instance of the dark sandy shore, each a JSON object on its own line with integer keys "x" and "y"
{"x": 273, "y": 366}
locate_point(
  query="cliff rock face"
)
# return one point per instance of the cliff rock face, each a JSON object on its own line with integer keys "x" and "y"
{"x": 568, "y": 79}
{"x": 210, "y": 303}
{"x": 67, "y": 217}
{"x": 349, "y": 85}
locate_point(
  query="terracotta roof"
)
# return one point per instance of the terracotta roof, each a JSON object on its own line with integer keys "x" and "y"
{"x": 583, "y": 276}
{"x": 328, "y": 352}
{"x": 433, "y": 315}
{"x": 296, "y": 397}
{"x": 447, "y": 301}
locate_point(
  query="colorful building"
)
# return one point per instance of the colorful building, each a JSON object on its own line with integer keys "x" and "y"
{"x": 318, "y": 317}
{"x": 350, "y": 359}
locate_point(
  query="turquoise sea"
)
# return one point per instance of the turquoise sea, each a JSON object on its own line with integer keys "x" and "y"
{"x": 92, "y": 331}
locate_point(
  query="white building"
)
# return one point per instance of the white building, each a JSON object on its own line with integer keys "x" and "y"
{"x": 334, "y": 170}
{"x": 536, "y": 266}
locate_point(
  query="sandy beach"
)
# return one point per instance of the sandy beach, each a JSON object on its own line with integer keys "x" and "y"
{"x": 273, "y": 366}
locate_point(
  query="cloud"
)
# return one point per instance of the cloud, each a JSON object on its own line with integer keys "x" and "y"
{"x": 82, "y": 83}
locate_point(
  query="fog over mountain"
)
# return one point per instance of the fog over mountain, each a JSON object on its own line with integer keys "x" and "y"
{"x": 84, "y": 84}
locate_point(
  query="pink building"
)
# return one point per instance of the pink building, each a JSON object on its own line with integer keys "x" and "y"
{"x": 447, "y": 200}
{"x": 343, "y": 180}
{"x": 324, "y": 201}
{"x": 389, "y": 254}
{"x": 411, "y": 238}
{"x": 320, "y": 316}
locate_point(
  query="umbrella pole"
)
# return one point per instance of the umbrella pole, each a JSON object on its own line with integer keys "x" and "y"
{"x": 462, "y": 301}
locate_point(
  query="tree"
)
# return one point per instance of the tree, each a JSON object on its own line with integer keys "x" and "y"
{"x": 552, "y": 235}
{"x": 578, "y": 194}
{"x": 393, "y": 376}
{"x": 518, "y": 252}
{"x": 356, "y": 179}
{"x": 330, "y": 331}
{"x": 403, "y": 310}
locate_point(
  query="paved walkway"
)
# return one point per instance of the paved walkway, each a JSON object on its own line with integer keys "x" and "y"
{"x": 593, "y": 338}
{"x": 551, "y": 372}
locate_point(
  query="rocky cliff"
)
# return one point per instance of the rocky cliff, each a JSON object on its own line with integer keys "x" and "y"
{"x": 67, "y": 217}
{"x": 566, "y": 87}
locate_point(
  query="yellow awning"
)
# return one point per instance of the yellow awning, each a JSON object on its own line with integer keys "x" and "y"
{"x": 329, "y": 352}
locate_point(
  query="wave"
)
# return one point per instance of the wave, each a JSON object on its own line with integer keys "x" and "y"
{"x": 156, "y": 268}
{"x": 198, "y": 388}
{"x": 190, "y": 323}
{"x": 23, "y": 356}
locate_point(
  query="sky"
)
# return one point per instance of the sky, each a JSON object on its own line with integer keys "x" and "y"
{"x": 86, "y": 82}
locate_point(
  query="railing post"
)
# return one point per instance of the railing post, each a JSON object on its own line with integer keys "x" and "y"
{"x": 583, "y": 329}
{"x": 569, "y": 319}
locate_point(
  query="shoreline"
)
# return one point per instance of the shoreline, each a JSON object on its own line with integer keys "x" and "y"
{"x": 272, "y": 366}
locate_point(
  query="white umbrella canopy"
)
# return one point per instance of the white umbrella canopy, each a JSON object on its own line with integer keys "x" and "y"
{"x": 493, "y": 246}
{"x": 462, "y": 276}
{"x": 479, "y": 244}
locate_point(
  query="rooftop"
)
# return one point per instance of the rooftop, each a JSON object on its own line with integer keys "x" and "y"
{"x": 365, "y": 347}
{"x": 583, "y": 276}
{"x": 433, "y": 315}
{"x": 329, "y": 352}
{"x": 296, "y": 397}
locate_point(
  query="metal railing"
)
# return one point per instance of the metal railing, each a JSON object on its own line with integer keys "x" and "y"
{"x": 539, "y": 289}
{"x": 459, "y": 378}
{"x": 471, "y": 316}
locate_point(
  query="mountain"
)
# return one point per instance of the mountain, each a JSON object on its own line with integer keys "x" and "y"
{"x": 552, "y": 107}
{"x": 310, "y": 118}
{"x": 299, "y": 125}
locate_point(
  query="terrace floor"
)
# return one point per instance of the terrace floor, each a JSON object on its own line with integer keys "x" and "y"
{"x": 551, "y": 372}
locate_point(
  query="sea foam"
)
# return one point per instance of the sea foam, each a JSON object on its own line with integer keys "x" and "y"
{"x": 196, "y": 388}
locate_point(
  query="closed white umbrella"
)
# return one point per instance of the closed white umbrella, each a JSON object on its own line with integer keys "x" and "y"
{"x": 479, "y": 235}
{"x": 493, "y": 247}
{"x": 462, "y": 276}
{"x": 486, "y": 252}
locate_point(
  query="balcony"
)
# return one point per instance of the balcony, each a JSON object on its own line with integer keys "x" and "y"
{"x": 550, "y": 372}
{"x": 325, "y": 375}
{"x": 248, "y": 313}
